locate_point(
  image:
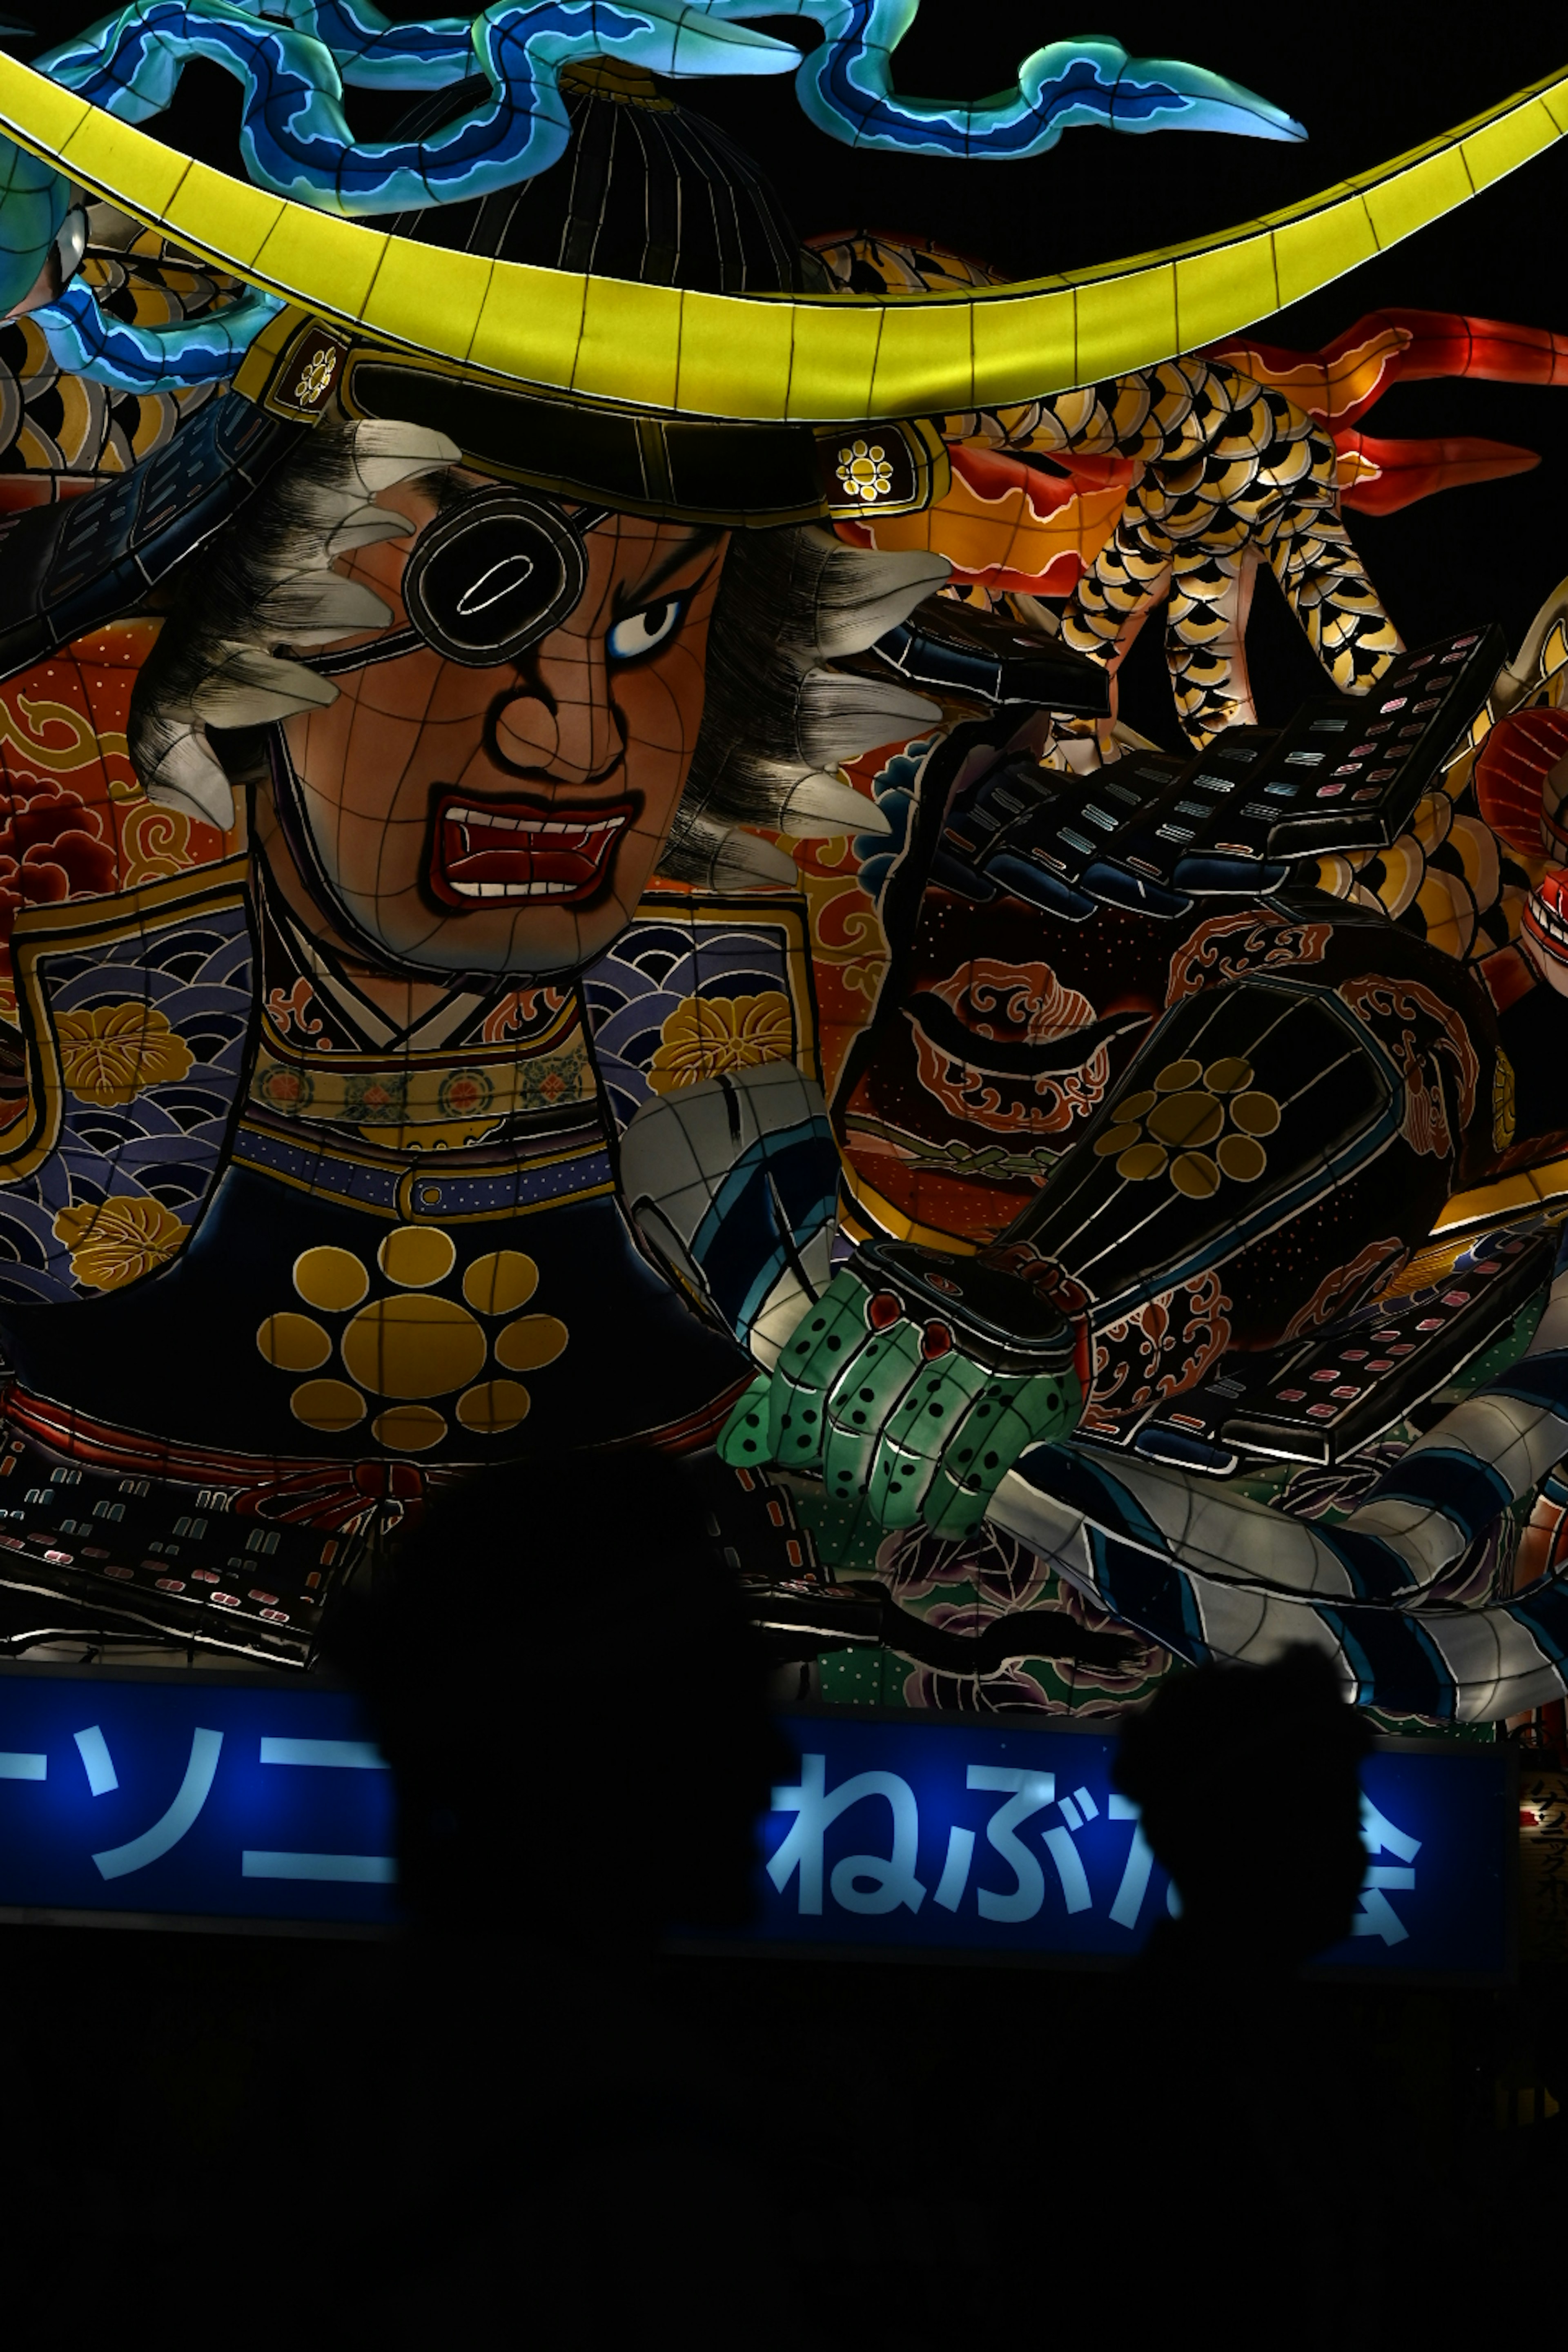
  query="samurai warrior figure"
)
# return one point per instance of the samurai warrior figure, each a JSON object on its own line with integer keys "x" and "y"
{"x": 573, "y": 883}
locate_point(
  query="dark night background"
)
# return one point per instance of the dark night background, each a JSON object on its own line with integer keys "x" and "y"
{"x": 183, "y": 2109}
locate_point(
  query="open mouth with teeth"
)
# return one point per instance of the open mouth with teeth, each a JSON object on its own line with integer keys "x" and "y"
{"x": 485, "y": 850}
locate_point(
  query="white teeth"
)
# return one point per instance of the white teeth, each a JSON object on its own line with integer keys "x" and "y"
{"x": 484, "y": 820}
{"x": 820, "y": 806}
{"x": 490, "y": 821}
{"x": 250, "y": 688}
{"x": 188, "y": 777}
{"x": 513, "y": 889}
{"x": 319, "y": 606}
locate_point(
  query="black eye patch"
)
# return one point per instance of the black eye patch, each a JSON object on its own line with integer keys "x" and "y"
{"x": 494, "y": 574}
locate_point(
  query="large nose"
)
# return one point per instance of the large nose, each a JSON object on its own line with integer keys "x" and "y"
{"x": 570, "y": 730}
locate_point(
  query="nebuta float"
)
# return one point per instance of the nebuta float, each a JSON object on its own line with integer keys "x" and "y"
{"x": 574, "y": 877}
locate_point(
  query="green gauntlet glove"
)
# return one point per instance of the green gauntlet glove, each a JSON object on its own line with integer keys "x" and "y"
{"x": 911, "y": 1387}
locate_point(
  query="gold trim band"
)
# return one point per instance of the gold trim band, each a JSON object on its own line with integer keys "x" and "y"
{"x": 1538, "y": 1190}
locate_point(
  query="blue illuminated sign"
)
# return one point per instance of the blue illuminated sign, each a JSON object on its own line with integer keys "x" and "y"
{"x": 960, "y": 1835}
{"x": 189, "y": 1795}
{"x": 196, "y": 1798}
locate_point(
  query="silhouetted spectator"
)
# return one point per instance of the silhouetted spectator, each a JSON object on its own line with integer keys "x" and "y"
{"x": 558, "y": 1668}
{"x": 1243, "y": 2180}
{"x": 560, "y": 1671}
{"x": 1248, "y": 1779}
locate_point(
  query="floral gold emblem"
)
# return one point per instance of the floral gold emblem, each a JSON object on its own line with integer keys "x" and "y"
{"x": 116, "y": 1241}
{"x": 864, "y": 470}
{"x": 108, "y": 1053}
{"x": 316, "y": 377}
{"x": 1198, "y": 1124}
{"x": 707, "y": 1035}
{"x": 410, "y": 1345}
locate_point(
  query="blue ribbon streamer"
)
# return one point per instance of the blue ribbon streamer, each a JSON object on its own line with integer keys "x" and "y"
{"x": 293, "y": 63}
{"x": 87, "y": 342}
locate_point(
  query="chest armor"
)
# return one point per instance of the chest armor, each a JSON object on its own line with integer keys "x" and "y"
{"x": 248, "y": 1219}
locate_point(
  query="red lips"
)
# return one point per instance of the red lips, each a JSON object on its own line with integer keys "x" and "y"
{"x": 485, "y": 852}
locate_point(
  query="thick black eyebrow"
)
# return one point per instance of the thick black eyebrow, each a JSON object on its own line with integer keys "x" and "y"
{"x": 626, "y": 600}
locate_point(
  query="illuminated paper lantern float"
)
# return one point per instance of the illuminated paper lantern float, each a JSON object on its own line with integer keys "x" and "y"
{"x": 574, "y": 877}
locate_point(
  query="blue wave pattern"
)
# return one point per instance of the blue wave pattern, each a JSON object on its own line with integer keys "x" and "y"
{"x": 658, "y": 966}
{"x": 166, "y": 1143}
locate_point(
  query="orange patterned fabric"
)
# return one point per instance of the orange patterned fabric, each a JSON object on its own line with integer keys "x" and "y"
{"x": 848, "y": 946}
{"x": 1014, "y": 522}
{"x": 74, "y": 821}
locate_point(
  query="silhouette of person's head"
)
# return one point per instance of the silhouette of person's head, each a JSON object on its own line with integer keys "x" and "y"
{"x": 1247, "y": 1781}
{"x": 560, "y": 1673}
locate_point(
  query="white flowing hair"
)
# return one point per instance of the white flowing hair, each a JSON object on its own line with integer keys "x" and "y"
{"x": 777, "y": 720}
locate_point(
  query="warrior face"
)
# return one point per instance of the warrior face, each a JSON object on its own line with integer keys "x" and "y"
{"x": 491, "y": 789}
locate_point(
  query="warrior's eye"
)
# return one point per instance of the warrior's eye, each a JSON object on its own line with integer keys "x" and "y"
{"x": 641, "y": 633}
